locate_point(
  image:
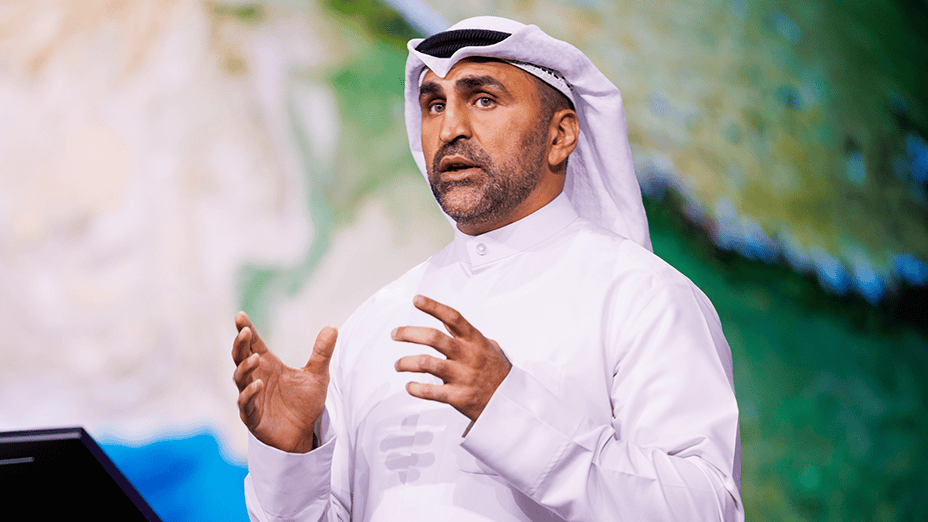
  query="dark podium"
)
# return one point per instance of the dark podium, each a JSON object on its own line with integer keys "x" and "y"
{"x": 62, "y": 474}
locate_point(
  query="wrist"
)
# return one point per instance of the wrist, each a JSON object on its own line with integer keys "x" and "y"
{"x": 305, "y": 444}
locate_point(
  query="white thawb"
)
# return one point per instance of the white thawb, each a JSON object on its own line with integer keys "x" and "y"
{"x": 620, "y": 403}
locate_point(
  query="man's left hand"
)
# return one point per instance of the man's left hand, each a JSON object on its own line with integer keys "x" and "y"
{"x": 474, "y": 366}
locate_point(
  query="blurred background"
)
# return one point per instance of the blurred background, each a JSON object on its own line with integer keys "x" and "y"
{"x": 167, "y": 163}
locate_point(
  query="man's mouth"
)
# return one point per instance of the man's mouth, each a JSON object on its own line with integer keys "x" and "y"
{"x": 455, "y": 168}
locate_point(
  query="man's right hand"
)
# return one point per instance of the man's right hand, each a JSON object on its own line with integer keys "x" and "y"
{"x": 280, "y": 404}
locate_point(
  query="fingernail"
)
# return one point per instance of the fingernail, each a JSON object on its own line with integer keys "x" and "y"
{"x": 393, "y": 333}
{"x": 418, "y": 300}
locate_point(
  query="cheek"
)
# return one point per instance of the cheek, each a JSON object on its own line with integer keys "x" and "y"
{"x": 427, "y": 138}
{"x": 500, "y": 136}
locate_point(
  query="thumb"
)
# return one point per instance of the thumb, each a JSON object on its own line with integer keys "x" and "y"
{"x": 322, "y": 351}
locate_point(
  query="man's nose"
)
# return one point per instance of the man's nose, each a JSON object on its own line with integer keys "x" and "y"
{"x": 454, "y": 124}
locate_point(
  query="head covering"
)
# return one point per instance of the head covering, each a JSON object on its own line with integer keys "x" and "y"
{"x": 601, "y": 180}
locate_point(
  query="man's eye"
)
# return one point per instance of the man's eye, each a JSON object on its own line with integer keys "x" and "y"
{"x": 484, "y": 101}
{"x": 437, "y": 107}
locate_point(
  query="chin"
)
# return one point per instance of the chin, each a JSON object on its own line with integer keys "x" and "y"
{"x": 462, "y": 202}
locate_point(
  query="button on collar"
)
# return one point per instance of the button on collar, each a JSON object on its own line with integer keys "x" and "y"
{"x": 490, "y": 247}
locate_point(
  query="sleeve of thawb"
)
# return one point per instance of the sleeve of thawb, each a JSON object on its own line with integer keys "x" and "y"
{"x": 305, "y": 487}
{"x": 301, "y": 487}
{"x": 313, "y": 486}
{"x": 672, "y": 449}
{"x": 290, "y": 486}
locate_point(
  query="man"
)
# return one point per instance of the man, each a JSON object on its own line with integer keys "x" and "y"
{"x": 560, "y": 370}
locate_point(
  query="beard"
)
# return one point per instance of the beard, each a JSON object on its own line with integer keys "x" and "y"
{"x": 499, "y": 189}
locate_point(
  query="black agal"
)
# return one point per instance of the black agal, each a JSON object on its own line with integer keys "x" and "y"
{"x": 443, "y": 45}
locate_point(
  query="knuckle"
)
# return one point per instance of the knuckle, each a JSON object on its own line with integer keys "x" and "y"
{"x": 428, "y": 391}
{"x": 241, "y": 373}
{"x": 435, "y": 337}
{"x": 424, "y": 362}
{"x": 432, "y": 392}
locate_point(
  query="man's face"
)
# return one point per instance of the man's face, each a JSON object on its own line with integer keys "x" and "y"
{"x": 483, "y": 141}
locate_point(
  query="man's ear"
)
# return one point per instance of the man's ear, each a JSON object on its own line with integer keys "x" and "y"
{"x": 563, "y": 134}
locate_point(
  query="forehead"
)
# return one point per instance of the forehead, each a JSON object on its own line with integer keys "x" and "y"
{"x": 513, "y": 78}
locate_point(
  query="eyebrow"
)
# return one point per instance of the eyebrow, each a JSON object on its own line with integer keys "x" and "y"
{"x": 429, "y": 88}
{"x": 465, "y": 84}
{"x": 470, "y": 83}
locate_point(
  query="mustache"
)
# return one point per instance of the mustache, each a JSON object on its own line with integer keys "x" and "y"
{"x": 466, "y": 150}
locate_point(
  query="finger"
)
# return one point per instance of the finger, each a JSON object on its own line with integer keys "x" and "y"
{"x": 247, "y": 404}
{"x": 242, "y": 374}
{"x": 451, "y": 318}
{"x": 429, "y": 392}
{"x": 426, "y": 337}
{"x": 241, "y": 322}
{"x": 323, "y": 348}
{"x": 241, "y": 346}
{"x": 440, "y": 368}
